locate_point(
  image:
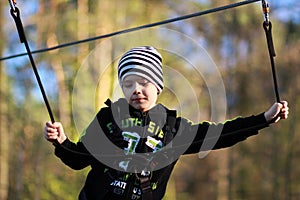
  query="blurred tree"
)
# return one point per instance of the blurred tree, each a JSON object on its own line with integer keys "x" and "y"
{"x": 288, "y": 65}
{"x": 4, "y": 137}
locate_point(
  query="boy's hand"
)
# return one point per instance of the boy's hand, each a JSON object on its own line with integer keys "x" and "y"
{"x": 277, "y": 111}
{"x": 54, "y": 132}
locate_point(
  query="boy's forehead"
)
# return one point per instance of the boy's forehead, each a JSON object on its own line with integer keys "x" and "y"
{"x": 134, "y": 78}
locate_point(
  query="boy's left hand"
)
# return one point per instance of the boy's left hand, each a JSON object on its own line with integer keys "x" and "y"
{"x": 277, "y": 111}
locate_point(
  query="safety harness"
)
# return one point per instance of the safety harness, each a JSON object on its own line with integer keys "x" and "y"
{"x": 144, "y": 178}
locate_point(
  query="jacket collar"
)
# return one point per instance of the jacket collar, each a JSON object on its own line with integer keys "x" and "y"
{"x": 123, "y": 109}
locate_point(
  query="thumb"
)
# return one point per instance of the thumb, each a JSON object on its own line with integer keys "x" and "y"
{"x": 273, "y": 114}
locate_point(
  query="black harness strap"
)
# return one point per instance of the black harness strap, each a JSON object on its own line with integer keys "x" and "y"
{"x": 146, "y": 188}
{"x": 170, "y": 126}
{"x": 169, "y": 130}
{"x": 15, "y": 13}
{"x": 268, "y": 30}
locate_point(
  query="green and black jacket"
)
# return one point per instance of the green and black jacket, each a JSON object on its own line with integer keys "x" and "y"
{"x": 158, "y": 136}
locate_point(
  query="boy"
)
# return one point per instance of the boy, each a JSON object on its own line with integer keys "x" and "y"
{"x": 133, "y": 144}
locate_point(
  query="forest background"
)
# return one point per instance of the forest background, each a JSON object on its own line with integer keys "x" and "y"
{"x": 232, "y": 43}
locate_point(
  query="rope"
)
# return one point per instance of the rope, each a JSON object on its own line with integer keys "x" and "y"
{"x": 151, "y": 25}
{"x": 268, "y": 30}
{"x": 15, "y": 13}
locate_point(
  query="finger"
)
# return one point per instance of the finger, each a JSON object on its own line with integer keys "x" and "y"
{"x": 54, "y": 125}
{"x": 285, "y": 108}
{"x": 50, "y": 136}
{"x": 51, "y": 139}
{"x": 50, "y": 127}
{"x": 50, "y": 130}
{"x": 285, "y": 103}
{"x": 284, "y": 115}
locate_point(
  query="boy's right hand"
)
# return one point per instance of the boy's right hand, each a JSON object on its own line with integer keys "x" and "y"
{"x": 54, "y": 132}
{"x": 277, "y": 112}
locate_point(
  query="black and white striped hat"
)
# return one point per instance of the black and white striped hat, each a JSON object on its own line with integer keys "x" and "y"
{"x": 143, "y": 61}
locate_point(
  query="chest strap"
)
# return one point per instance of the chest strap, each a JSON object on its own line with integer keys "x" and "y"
{"x": 169, "y": 130}
{"x": 146, "y": 188}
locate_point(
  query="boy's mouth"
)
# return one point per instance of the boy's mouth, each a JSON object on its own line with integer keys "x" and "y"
{"x": 138, "y": 100}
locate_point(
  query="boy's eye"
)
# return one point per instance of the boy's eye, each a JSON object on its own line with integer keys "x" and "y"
{"x": 143, "y": 83}
{"x": 127, "y": 84}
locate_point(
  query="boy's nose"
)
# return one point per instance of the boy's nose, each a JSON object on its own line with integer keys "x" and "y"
{"x": 137, "y": 88}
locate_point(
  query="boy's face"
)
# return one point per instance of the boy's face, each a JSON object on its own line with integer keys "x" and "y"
{"x": 139, "y": 92}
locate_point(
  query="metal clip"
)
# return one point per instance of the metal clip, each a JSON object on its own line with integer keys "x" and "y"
{"x": 12, "y": 4}
{"x": 266, "y": 10}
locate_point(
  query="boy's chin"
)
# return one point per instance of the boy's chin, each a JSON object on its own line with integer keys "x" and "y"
{"x": 141, "y": 107}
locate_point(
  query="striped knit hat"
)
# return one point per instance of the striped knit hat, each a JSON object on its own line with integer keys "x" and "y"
{"x": 143, "y": 61}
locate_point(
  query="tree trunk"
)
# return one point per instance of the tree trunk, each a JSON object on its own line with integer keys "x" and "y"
{"x": 57, "y": 65}
{"x": 4, "y": 136}
{"x": 82, "y": 27}
{"x": 222, "y": 178}
{"x": 106, "y": 81}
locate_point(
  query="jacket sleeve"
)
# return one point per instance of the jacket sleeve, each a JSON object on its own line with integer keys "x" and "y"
{"x": 208, "y": 136}
{"x": 73, "y": 155}
{"x": 93, "y": 147}
{"x": 76, "y": 155}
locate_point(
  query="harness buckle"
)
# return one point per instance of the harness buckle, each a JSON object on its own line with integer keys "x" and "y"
{"x": 143, "y": 174}
{"x": 12, "y": 4}
{"x": 266, "y": 11}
